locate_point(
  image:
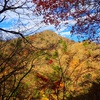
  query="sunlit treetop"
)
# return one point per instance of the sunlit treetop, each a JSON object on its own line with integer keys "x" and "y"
{"x": 86, "y": 13}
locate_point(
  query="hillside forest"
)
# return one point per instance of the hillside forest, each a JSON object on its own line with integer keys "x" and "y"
{"x": 49, "y": 49}
{"x": 46, "y": 66}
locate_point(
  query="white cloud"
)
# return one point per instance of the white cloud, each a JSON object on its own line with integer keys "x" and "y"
{"x": 65, "y": 33}
{"x": 72, "y": 22}
{"x": 27, "y": 22}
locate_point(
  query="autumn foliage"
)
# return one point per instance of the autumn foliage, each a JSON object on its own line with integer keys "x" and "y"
{"x": 86, "y": 13}
{"x": 57, "y": 70}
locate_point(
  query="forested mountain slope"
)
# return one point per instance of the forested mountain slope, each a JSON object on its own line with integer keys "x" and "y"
{"x": 46, "y": 66}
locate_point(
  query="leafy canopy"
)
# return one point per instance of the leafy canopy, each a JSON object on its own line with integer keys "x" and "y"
{"x": 86, "y": 14}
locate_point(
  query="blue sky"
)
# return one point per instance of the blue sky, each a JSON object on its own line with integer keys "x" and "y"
{"x": 36, "y": 27}
{"x": 29, "y": 24}
{"x": 63, "y": 31}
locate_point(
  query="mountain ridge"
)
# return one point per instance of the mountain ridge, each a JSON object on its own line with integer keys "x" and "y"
{"x": 57, "y": 63}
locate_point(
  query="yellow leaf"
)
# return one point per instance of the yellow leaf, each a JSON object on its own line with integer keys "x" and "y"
{"x": 61, "y": 85}
{"x": 44, "y": 98}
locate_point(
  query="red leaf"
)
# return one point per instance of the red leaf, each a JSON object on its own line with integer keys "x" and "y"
{"x": 50, "y": 62}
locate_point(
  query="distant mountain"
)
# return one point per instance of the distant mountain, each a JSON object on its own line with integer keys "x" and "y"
{"x": 61, "y": 68}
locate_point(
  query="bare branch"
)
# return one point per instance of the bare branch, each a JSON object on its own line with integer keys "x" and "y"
{"x": 2, "y": 19}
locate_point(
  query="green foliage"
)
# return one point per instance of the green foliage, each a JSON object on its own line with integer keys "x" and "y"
{"x": 97, "y": 80}
{"x": 48, "y": 92}
{"x": 68, "y": 95}
{"x": 19, "y": 43}
{"x": 36, "y": 94}
{"x": 64, "y": 44}
{"x": 85, "y": 43}
{"x": 12, "y": 44}
{"x": 55, "y": 55}
{"x": 56, "y": 68}
{"x": 87, "y": 76}
{"x": 39, "y": 53}
{"x": 60, "y": 41}
{"x": 21, "y": 90}
{"x": 16, "y": 93}
{"x": 56, "y": 74}
{"x": 48, "y": 56}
